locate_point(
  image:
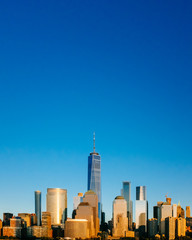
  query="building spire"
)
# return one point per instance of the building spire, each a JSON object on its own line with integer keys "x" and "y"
{"x": 94, "y": 142}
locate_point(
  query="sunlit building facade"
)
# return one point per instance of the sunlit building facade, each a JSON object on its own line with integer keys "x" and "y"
{"x": 174, "y": 207}
{"x": 188, "y": 212}
{"x": 120, "y": 220}
{"x": 170, "y": 228}
{"x": 180, "y": 227}
{"x": 57, "y": 205}
{"x": 94, "y": 175}
{"x": 76, "y": 228}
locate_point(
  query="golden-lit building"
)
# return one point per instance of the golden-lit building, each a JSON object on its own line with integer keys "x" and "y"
{"x": 39, "y": 232}
{"x": 170, "y": 228}
{"x": 180, "y": 211}
{"x": 180, "y": 227}
{"x": 33, "y": 219}
{"x": 76, "y": 228}
{"x": 120, "y": 220}
{"x": 91, "y": 198}
{"x": 85, "y": 211}
{"x": 165, "y": 211}
{"x": 26, "y": 217}
{"x": 46, "y": 223}
{"x": 57, "y": 205}
{"x": 46, "y": 219}
{"x": 188, "y": 212}
{"x": 1, "y": 227}
{"x": 15, "y": 228}
{"x": 15, "y": 222}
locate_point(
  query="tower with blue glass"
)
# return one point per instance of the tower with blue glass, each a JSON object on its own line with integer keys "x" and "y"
{"x": 94, "y": 175}
{"x": 38, "y": 207}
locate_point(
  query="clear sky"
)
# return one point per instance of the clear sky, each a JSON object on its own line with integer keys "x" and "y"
{"x": 120, "y": 68}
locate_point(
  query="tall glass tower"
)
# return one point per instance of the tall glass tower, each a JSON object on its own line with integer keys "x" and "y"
{"x": 126, "y": 193}
{"x": 38, "y": 207}
{"x": 94, "y": 175}
{"x": 141, "y": 209}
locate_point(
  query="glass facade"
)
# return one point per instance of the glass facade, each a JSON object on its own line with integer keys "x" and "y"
{"x": 38, "y": 207}
{"x": 141, "y": 214}
{"x": 141, "y": 193}
{"x": 126, "y": 193}
{"x": 141, "y": 207}
{"x": 94, "y": 177}
{"x": 57, "y": 205}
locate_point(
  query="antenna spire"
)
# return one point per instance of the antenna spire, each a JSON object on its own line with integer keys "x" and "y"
{"x": 94, "y": 142}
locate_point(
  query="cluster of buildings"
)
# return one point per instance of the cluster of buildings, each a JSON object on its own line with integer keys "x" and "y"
{"x": 88, "y": 219}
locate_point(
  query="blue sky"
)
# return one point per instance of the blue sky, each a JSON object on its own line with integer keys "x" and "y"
{"x": 119, "y": 68}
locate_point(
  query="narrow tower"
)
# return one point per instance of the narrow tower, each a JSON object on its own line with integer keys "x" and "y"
{"x": 38, "y": 207}
{"x": 94, "y": 175}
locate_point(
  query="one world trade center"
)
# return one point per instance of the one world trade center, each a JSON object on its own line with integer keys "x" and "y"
{"x": 94, "y": 175}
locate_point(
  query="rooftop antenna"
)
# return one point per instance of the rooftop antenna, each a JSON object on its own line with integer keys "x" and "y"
{"x": 94, "y": 142}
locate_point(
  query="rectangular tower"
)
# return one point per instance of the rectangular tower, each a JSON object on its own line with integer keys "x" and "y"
{"x": 141, "y": 208}
{"x": 94, "y": 175}
{"x": 57, "y": 205}
{"x": 38, "y": 207}
{"x": 126, "y": 193}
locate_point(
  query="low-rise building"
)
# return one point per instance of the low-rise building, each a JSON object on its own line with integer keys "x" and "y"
{"x": 76, "y": 228}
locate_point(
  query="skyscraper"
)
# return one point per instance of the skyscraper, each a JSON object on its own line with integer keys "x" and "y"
{"x": 188, "y": 212}
{"x": 126, "y": 193}
{"x": 57, "y": 205}
{"x": 38, "y": 207}
{"x": 120, "y": 220}
{"x": 94, "y": 175}
{"x": 141, "y": 208}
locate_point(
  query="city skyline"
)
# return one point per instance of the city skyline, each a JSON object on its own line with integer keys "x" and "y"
{"x": 122, "y": 70}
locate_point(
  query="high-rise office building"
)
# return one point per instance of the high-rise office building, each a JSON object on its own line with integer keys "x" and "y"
{"x": 180, "y": 227}
{"x": 180, "y": 211}
{"x": 91, "y": 198}
{"x": 57, "y": 205}
{"x": 174, "y": 210}
{"x": 126, "y": 193}
{"x": 120, "y": 220}
{"x": 6, "y": 218}
{"x": 170, "y": 228}
{"x": 188, "y": 212}
{"x": 88, "y": 209}
{"x": 165, "y": 212}
{"x": 38, "y": 207}
{"x": 141, "y": 208}
{"x": 94, "y": 175}
{"x": 152, "y": 227}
